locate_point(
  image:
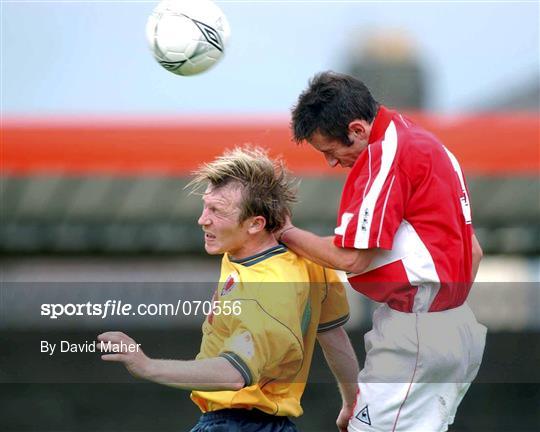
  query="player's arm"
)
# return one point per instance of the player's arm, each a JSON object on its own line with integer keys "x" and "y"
{"x": 343, "y": 251}
{"x": 204, "y": 374}
{"x": 476, "y": 256}
{"x": 324, "y": 252}
{"x": 341, "y": 359}
{"x": 335, "y": 343}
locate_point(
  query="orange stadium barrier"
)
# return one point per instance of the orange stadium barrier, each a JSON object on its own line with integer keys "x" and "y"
{"x": 486, "y": 145}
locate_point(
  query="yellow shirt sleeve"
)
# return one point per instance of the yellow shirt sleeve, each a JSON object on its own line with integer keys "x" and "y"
{"x": 334, "y": 307}
{"x": 266, "y": 337}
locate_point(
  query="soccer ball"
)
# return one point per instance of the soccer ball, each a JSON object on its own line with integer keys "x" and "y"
{"x": 187, "y": 36}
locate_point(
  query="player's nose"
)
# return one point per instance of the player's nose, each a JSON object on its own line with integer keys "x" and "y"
{"x": 331, "y": 160}
{"x": 203, "y": 219}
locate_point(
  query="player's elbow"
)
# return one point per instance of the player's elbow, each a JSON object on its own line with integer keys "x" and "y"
{"x": 355, "y": 261}
{"x": 356, "y": 268}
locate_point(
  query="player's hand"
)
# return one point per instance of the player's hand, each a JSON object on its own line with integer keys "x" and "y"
{"x": 119, "y": 347}
{"x": 343, "y": 418}
{"x": 286, "y": 227}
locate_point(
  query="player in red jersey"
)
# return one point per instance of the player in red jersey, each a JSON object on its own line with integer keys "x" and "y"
{"x": 405, "y": 238}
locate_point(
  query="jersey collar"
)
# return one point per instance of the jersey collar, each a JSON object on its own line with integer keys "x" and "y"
{"x": 381, "y": 122}
{"x": 261, "y": 256}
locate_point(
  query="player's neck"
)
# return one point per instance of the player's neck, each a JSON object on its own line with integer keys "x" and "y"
{"x": 254, "y": 246}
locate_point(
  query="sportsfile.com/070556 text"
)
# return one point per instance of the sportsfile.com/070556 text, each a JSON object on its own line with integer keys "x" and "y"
{"x": 117, "y": 308}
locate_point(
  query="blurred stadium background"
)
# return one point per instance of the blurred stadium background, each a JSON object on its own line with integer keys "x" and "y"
{"x": 98, "y": 142}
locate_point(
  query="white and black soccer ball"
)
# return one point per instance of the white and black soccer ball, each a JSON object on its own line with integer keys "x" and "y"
{"x": 187, "y": 36}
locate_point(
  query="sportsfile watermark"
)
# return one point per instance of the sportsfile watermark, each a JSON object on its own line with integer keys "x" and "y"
{"x": 52, "y": 331}
{"x": 79, "y": 305}
{"x": 119, "y": 308}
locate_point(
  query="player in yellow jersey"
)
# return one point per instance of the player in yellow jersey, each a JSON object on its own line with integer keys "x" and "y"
{"x": 257, "y": 346}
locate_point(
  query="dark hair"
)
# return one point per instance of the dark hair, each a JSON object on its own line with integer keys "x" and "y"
{"x": 329, "y": 104}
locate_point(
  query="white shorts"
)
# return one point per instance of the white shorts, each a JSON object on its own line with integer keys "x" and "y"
{"x": 418, "y": 368}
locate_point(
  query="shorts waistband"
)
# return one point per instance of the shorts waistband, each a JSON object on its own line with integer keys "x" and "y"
{"x": 240, "y": 413}
{"x": 457, "y": 309}
{"x": 460, "y": 312}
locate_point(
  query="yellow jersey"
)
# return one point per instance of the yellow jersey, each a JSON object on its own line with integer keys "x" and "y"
{"x": 280, "y": 302}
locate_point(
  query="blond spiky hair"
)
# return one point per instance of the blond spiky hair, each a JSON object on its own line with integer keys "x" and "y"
{"x": 267, "y": 189}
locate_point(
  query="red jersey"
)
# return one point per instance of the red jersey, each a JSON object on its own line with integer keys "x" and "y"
{"x": 406, "y": 194}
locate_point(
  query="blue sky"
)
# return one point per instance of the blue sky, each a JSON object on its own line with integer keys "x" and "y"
{"x": 91, "y": 57}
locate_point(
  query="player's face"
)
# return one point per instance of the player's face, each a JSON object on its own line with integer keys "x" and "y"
{"x": 220, "y": 221}
{"x": 335, "y": 152}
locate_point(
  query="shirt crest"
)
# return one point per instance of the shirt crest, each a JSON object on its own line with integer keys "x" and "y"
{"x": 229, "y": 284}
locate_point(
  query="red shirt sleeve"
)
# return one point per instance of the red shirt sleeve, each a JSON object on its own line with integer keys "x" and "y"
{"x": 374, "y": 198}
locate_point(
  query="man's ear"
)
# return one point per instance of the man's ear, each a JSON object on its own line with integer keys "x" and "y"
{"x": 358, "y": 128}
{"x": 256, "y": 224}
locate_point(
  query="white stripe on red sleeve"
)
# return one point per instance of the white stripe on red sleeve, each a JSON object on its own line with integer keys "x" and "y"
{"x": 464, "y": 198}
{"x": 366, "y": 211}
